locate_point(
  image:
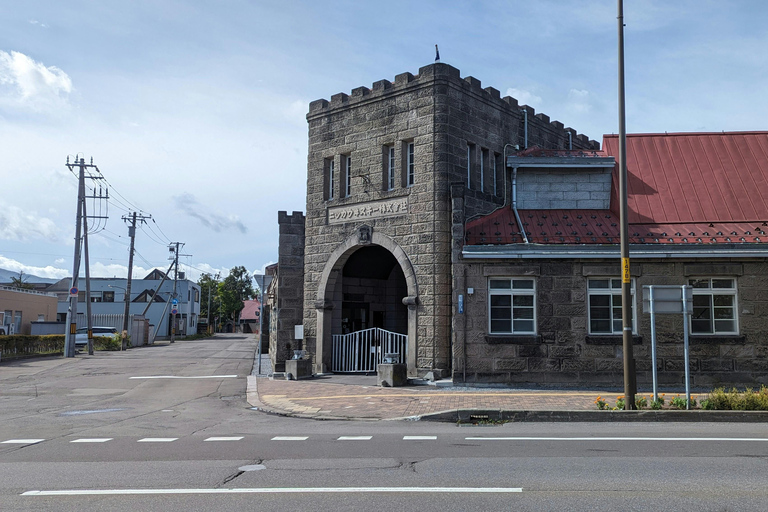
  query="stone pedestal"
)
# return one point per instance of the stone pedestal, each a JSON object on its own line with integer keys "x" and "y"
{"x": 391, "y": 375}
{"x": 298, "y": 369}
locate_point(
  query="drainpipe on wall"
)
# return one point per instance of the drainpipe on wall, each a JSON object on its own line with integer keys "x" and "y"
{"x": 525, "y": 124}
{"x": 570, "y": 141}
{"x": 514, "y": 204}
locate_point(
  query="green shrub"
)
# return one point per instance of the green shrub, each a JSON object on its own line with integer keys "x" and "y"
{"x": 735, "y": 400}
{"x": 20, "y": 345}
{"x": 108, "y": 343}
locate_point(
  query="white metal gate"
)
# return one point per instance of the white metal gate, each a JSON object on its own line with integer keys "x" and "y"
{"x": 362, "y": 351}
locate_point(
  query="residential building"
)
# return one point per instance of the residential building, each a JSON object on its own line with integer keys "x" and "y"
{"x": 19, "y": 308}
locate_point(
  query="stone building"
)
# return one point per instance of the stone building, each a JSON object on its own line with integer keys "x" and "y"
{"x": 476, "y": 239}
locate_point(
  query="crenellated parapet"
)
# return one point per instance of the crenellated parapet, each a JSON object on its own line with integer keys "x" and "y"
{"x": 439, "y": 72}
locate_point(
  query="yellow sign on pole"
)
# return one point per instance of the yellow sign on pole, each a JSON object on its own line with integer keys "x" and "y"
{"x": 625, "y": 270}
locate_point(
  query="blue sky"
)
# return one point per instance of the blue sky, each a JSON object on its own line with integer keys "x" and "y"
{"x": 195, "y": 111}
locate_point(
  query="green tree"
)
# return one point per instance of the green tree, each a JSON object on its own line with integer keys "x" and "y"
{"x": 208, "y": 284}
{"x": 20, "y": 282}
{"x": 235, "y": 288}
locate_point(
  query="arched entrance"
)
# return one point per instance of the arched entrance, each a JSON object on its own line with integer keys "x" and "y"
{"x": 368, "y": 282}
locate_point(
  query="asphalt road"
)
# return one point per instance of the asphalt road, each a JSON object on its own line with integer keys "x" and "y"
{"x": 97, "y": 433}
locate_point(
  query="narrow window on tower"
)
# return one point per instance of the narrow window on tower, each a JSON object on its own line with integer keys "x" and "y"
{"x": 389, "y": 167}
{"x": 410, "y": 166}
{"x": 347, "y": 176}
{"x": 330, "y": 182}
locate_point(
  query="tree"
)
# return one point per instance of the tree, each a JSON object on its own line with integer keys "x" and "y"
{"x": 235, "y": 288}
{"x": 208, "y": 283}
{"x": 20, "y": 282}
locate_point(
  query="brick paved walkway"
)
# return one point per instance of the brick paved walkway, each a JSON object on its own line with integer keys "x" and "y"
{"x": 349, "y": 398}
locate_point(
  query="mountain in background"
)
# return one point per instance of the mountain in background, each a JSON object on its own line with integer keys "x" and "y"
{"x": 6, "y": 275}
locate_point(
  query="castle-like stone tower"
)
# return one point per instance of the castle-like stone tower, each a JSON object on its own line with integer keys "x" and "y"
{"x": 377, "y": 246}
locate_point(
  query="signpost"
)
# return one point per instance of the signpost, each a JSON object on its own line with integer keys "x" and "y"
{"x": 669, "y": 299}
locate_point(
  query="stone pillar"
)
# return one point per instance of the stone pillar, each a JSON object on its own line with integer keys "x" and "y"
{"x": 290, "y": 287}
{"x": 324, "y": 347}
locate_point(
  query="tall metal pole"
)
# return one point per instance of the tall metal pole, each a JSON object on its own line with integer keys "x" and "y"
{"x": 69, "y": 341}
{"x": 626, "y": 280}
{"x": 175, "y": 280}
{"x": 127, "y": 309}
{"x": 89, "y": 318}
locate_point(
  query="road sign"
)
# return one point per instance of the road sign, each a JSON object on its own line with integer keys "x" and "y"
{"x": 73, "y": 292}
{"x": 174, "y": 311}
{"x": 174, "y": 301}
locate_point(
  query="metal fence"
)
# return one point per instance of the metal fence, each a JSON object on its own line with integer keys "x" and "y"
{"x": 362, "y": 351}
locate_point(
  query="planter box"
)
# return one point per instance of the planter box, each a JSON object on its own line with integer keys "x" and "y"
{"x": 296, "y": 369}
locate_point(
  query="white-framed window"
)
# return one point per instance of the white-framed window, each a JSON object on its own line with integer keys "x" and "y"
{"x": 410, "y": 165}
{"x": 511, "y": 305}
{"x": 347, "y": 176}
{"x": 331, "y": 179}
{"x": 604, "y": 305}
{"x": 390, "y": 167}
{"x": 714, "y": 305}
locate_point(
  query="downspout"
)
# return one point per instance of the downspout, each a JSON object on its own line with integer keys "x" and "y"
{"x": 525, "y": 130}
{"x": 514, "y": 204}
{"x": 570, "y": 141}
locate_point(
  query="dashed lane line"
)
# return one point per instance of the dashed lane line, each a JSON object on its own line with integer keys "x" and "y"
{"x": 157, "y": 440}
{"x": 706, "y": 439}
{"x": 92, "y": 440}
{"x": 419, "y": 438}
{"x": 234, "y": 438}
{"x": 23, "y": 441}
{"x": 290, "y": 438}
{"x": 355, "y": 438}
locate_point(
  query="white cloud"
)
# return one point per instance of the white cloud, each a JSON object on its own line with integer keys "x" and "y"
{"x": 28, "y": 84}
{"x": 35, "y": 22}
{"x": 47, "y": 271}
{"x": 189, "y": 205}
{"x": 524, "y": 97}
{"x": 22, "y": 225}
{"x": 579, "y": 101}
{"x": 59, "y": 261}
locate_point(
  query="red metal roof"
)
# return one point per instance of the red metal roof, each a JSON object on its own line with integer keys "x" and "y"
{"x": 250, "y": 309}
{"x": 694, "y": 177}
{"x": 683, "y": 188}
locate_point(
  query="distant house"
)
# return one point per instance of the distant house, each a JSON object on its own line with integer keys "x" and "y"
{"x": 249, "y": 316}
{"x": 108, "y": 302}
{"x": 19, "y": 308}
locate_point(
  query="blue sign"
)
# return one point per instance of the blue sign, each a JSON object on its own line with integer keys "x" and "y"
{"x": 461, "y": 303}
{"x": 175, "y": 301}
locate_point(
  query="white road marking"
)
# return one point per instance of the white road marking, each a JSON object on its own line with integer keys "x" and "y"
{"x": 707, "y": 439}
{"x": 276, "y": 490}
{"x": 419, "y": 438}
{"x": 355, "y": 438}
{"x": 23, "y": 441}
{"x": 289, "y": 438}
{"x": 92, "y": 440}
{"x": 224, "y": 438}
{"x": 182, "y": 377}
{"x": 157, "y": 440}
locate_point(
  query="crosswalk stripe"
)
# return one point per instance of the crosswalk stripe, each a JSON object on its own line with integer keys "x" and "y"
{"x": 355, "y": 438}
{"x": 224, "y": 438}
{"x": 419, "y": 438}
{"x": 157, "y": 440}
{"x": 290, "y": 438}
{"x": 92, "y": 440}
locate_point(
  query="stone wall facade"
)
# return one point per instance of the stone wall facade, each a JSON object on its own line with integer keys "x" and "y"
{"x": 437, "y": 128}
{"x": 563, "y": 352}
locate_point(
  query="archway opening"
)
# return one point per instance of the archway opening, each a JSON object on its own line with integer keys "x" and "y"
{"x": 370, "y": 293}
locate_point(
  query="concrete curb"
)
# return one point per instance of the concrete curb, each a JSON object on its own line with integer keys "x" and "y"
{"x": 481, "y": 415}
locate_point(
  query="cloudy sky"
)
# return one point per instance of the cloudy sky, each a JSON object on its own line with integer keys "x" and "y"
{"x": 195, "y": 111}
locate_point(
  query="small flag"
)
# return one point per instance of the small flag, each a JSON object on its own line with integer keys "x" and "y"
{"x": 437, "y": 54}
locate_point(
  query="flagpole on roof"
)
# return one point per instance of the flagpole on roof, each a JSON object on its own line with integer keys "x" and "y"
{"x": 626, "y": 280}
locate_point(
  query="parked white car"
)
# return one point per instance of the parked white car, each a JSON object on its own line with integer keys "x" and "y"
{"x": 81, "y": 337}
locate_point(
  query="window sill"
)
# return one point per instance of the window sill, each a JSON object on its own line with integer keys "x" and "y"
{"x": 717, "y": 339}
{"x": 611, "y": 339}
{"x": 511, "y": 339}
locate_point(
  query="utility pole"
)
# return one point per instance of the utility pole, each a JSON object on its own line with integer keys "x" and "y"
{"x": 626, "y": 279}
{"x": 209, "y": 301}
{"x": 132, "y": 234}
{"x": 81, "y": 231}
{"x": 175, "y": 301}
